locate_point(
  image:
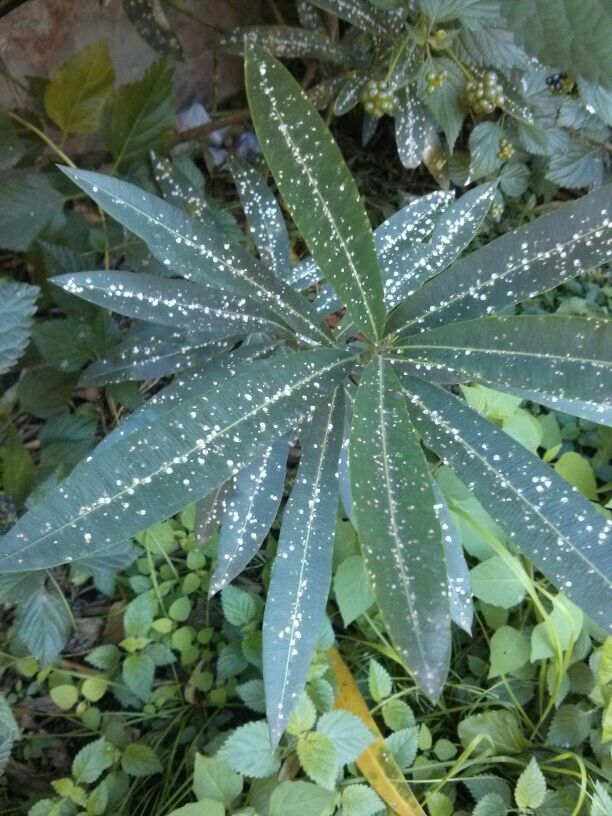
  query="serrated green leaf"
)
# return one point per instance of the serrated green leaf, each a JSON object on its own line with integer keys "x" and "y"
{"x": 379, "y": 681}
{"x": 197, "y": 250}
{"x": 187, "y": 456}
{"x": 138, "y": 672}
{"x": 29, "y": 207}
{"x": 563, "y": 362}
{"x": 139, "y": 614}
{"x": 64, "y": 696}
{"x": 79, "y": 88}
{"x": 317, "y": 187}
{"x": 9, "y": 732}
{"x": 502, "y": 729}
{"x": 239, "y": 607}
{"x": 347, "y": 733}
{"x": 352, "y": 589}
{"x": 318, "y": 758}
{"x": 447, "y": 103}
{"x": 92, "y": 760}
{"x": 138, "y": 759}
{"x": 553, "y": 525}
{"x": 403, "y": 745}
{"x": 265, "y": 218}
{"x": 530, "y": 790}
{"x": 248, "y": 751}
{"x": 491, "y": 804}
{"x": 361, "y": 800}
{"x": 398, "y": 526}
{"x": 214, "y": 779}
{"x": 301, "y": 575}
{"x": 398, "y": 715}
{"x": 303, "y": 716}
{"x": 140, "y": 116}
{"x": 16, "y": 310}
{"x": 570, "y": 726}
{"x": 300, "y": 799}
{"x": 519, "y": 265}
{"x": 484, "y": 147}
{"x": 601, "y": 804}
{"x": 250, "y": 511}
{"x": 43, "y": 624}
{"x": 565, "y": 33}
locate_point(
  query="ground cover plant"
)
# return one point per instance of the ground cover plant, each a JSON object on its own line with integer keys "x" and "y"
{"x": 396, "y": 445}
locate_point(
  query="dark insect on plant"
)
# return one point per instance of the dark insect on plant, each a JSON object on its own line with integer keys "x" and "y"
{"x": 369, "y": 400}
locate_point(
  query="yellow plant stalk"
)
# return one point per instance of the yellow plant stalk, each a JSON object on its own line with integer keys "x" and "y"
{"x": 376, "y": 763}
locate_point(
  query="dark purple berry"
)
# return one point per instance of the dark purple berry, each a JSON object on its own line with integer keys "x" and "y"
{"x": 558, "y": 86}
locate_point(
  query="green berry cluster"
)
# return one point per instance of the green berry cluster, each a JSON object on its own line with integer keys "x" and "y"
{"x": 435, "y": 79}
{"x": 485, "y": 94}
{"x": 378, "y": 98}
{"x": 506, "y": 150}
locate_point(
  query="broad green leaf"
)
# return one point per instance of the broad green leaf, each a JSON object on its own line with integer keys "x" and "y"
{"x": 79, "y": 88}
{"x": 352, "y": 589}
{"x": 577, "y": 470}
{"x": 403, "y": 745}
{"x": 501, "y": 727}
{"x": 484, "y": 149}
{"x": 459, "y": 587}
{"x": 248, "y": 751}
{"x": 181, "y": 456}
{"x": 265, "y": 217}
{"x": 543, "y": 358}
{"x": 361, "y": 800}
{"x": 472, "y": 13}
{"x": 398, "y": 715}
{"x": 197, "y": 250}
{"x": 318, "y": 758}
{"x": 510, "y": 651}
{"x": 362, "y": 14}
{"x": 347, "y": 733}
{"x": 11, "y": 148}
{"x": 180, "y": 304}
{"x": 43, "y": 624}
{"x": 17, "y": 307}
{"x": 17, "y": 468}
{"x": 570, "y": 726}
{"x": 149, "y": 19}
{"x": 140, "y": 116}
{"x": 301, "y": 575}
{"x": 64, "y": 696}
{"x": 300, "y": 799}
{"x": 494, "y": 582}
{"x": 138, "y": 671}
{"x": 398, "y": 527}
{"x": 92, "y": 760}
{"x": 413, "y": 126}
{"x": 448, "y": 102}
{"x": 138, "y": 759}
{"x": 514, "y": 267}
{"x": 530, "y": 790}
{"x": 489, "y": 46}
{"x": 214, "y": 779}
{"x": 239, "y": 607}
{"x": 318, "y": 188}
{"x": 287, "y": 42}
{"x": 249, "y": 513}
{"x": 570, "y": 34}
{"x": 29, "y": 206}
{"x": 379, "y": 681}
{"x": 550, "y": 521}
{"x": 491, "y": 804}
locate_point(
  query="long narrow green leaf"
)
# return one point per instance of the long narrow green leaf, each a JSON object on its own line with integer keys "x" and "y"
{"x": 249, "y": 513}
{"x": 177, "y": 459}
{"x": 148, "y": 351}
{"x": 550, "y": 357}
{"x": 517, "y": 266}
{"x": 317, "y": 186}
{"x": 176, "y": 303}
{"x": 393, "y": 500}
{"x": 286, "y": 42}
{"x": 301, "y": 575}
{"x": 547, "y": 518}
{"x": 265, "y": 217}
{"x": 363, "y": 15}
{"x": 197, "y": 250}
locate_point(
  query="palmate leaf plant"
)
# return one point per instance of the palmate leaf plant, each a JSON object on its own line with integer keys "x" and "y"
{"x": 371, "y": 401}
{"x": 534, "y": 99}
